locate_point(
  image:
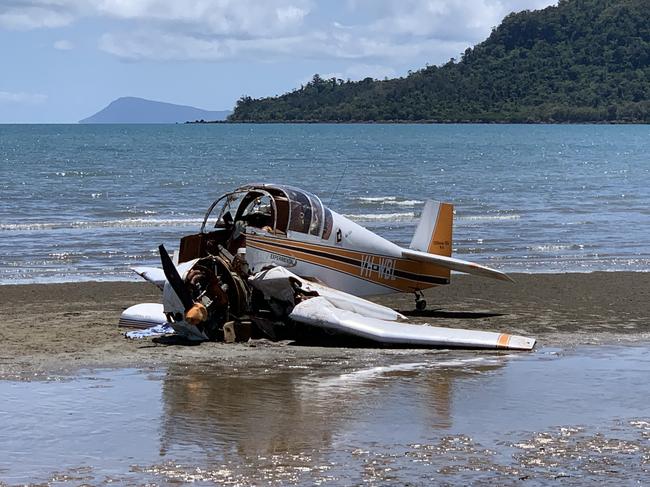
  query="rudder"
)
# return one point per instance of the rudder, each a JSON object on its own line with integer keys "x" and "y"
{"x": 434, "y": 232}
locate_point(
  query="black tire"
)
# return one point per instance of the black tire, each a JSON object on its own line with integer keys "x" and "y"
{"x": 420, "y": 304}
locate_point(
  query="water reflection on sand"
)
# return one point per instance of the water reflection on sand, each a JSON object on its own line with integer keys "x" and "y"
{"x": 365, "y": 416}
{"x": 293, "y": 409}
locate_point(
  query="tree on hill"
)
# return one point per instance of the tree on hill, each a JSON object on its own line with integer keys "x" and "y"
{"x": 579, "y": 61}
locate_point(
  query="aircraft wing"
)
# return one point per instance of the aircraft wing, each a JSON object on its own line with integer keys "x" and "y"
{"x": 154, "y": 275}
{"x": 455, "y": 264}
{"x": 143, "y": 315}
{"x": 321, "y": 313}
{"x": 326, "y": 308}
{"x": 279, "y": 283}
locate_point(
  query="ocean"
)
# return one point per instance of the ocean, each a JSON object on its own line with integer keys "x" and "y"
{"x": 86, "y": 202}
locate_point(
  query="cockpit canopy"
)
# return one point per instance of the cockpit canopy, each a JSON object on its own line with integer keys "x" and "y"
{"x": 274, "y": 208}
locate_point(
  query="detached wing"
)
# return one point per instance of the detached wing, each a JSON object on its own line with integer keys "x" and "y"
{"x": 455, "y": 264}
{"x": 321, "y": 313}
{"x": 279, "y": 283}
{"x": 340, "y": 312}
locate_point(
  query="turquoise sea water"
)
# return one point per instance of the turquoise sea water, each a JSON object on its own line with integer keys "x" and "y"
{"x": 84, "y": 202}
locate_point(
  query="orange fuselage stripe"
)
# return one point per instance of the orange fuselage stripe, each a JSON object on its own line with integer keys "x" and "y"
{"x": 301, "y": 251}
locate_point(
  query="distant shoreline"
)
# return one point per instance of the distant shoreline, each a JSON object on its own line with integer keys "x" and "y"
{"x": 405, "y": 122}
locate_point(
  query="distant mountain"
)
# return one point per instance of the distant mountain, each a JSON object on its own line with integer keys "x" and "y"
{"x": 579, "y": 61}
{"x": 138, "y": 110}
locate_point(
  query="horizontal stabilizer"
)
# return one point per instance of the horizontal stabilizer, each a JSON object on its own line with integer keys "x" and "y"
{"x": 455, "y": 264}
{"x": 321, "y": 313}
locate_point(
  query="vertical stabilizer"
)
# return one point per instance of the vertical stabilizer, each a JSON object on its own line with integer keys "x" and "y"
{"x": 434, "y": 232}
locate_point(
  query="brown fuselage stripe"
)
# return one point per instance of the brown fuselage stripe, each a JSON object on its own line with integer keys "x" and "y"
{"x": 353, "y": 258}
{"x": 395, "y": 286}
{"x": 356, "y": 263}
{"x": 406, "y": 265}
{"x": 347, "y": 263}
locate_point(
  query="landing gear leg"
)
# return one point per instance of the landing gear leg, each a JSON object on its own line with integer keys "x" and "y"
{"x": 420, "y": 303}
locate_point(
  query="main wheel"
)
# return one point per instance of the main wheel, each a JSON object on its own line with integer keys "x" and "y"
{"x": 420, "y": 304}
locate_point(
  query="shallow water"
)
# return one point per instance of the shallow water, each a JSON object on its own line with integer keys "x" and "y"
{"x": 366, "y": 416}
{"x": 84, "y": 202}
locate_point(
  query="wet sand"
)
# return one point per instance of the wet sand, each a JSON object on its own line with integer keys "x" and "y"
{"x": 61, "y": 328}
{"x": 262, "y": 413}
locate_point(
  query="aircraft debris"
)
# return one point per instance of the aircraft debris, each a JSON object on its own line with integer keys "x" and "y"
{"x": 233, "y": 280}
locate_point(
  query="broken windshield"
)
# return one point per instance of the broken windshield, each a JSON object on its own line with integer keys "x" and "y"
{"x": 222, "y": 212}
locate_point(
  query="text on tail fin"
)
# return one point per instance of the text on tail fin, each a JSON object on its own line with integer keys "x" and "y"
{"x": 434, "y": 232}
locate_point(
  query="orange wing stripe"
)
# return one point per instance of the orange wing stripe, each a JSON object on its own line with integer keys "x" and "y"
{"x": 503, "y": 341}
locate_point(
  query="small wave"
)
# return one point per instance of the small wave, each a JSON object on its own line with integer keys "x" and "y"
{"x": 81, "y": 174}
{"x": 406, "y": 203}
{"x": 372, "y": 217}
{"x": 487, "y": 218}
{"x": 556, "y": 247}
{"x": 388, "y": 200}
{"x": 67, "y": 256}
{"x": 135, "y": 211}
{"x": 129, "y": 222}
{"x": 376, "y": 199}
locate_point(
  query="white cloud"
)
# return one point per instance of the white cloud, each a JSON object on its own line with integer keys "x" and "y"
{"x": 290, "y": 14}
{"x": 457, "y": 20}
{"x": 22, "y": 98}
{"x": 367, "y": 32}
{"x": 149, "y": 44}
{"x": 210, "y": 17}
{"x": 33, "y": 17}
{"x": 63, "y": 45}
{"x": 373, "y": 31}
{"x": 225, "y": 17}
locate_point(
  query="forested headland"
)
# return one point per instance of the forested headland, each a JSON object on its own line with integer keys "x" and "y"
{"x": 579, "y": 61}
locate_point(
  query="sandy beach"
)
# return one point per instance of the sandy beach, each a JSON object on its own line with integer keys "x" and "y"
{"x": 103, "y": 409}
{"x": 60, "y": 328}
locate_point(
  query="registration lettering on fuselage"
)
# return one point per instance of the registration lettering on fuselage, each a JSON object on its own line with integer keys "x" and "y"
{"x": 283, "y": 260}
{"x": 377, "y": 266}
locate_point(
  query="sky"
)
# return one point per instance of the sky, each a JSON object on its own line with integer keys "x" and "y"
{"x": 63, "y": 60}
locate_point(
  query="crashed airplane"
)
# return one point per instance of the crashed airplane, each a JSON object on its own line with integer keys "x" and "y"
{"x": 272, "y": 261}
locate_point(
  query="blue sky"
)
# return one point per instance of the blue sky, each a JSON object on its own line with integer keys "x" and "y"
{"x": 63, "y": 60}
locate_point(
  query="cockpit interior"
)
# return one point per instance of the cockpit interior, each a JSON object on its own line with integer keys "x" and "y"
{"x": 276, "y": 210}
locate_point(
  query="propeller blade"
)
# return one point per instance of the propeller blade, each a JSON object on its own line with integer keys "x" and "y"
{"x": 174, "y": 279}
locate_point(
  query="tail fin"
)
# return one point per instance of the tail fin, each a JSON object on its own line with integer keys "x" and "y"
{"x": 434, "y": 232}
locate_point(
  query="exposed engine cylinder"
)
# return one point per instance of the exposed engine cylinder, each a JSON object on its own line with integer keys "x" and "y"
{"x": 219, "y": 294}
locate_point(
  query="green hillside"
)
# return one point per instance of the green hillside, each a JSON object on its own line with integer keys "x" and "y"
{"x": 582, "y": 61}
